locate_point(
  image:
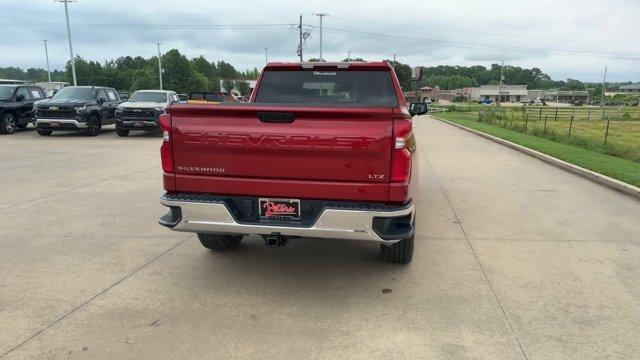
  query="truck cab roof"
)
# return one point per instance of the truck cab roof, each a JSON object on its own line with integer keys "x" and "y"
{"x": 154, "y": 91}
{"x": 377, "y": 65}
{"x": 90, "y": 87}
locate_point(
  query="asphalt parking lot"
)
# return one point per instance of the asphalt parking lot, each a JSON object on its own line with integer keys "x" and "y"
{"x": 514, "y": 259}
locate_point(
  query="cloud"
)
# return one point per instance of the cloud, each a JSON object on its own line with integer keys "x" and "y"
{"x": 454, "y": 32}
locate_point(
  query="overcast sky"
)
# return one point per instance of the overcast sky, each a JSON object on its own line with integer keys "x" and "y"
{"x": 574, "y": 39}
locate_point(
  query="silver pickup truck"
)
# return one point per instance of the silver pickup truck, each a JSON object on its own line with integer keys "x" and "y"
{"x": 142, "y": 110}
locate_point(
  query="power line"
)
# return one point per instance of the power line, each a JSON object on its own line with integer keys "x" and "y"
{"x": 351, "y": 20}
{"x": 148, "y": 25}
{"x": 379, "y": 36}
{"x": 474, "y": 32}
{"x": 488, "y": 46}
{"x": 342, "y": 31}
{"x": 158, "y": 13}
{"x": 482, "y": 46}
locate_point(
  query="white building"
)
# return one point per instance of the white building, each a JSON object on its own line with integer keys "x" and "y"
{"x": 508, "y": 93}
{"x": 633, "y": 88}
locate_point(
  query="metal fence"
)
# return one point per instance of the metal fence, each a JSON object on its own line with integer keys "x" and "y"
{"x": 582, "y": 113}
{"x": 436, "y": 109}
{"x": 611, "y": 130}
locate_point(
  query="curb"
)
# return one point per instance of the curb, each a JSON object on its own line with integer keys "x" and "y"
{"x": 600, "y": 179}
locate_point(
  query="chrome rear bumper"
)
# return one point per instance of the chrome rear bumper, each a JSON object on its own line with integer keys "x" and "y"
{"x": 214, "y": 217}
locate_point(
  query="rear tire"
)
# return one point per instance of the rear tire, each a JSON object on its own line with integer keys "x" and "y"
{"x": 44, "y": 132}
{"x": 217, "y": 242}
{"x": 122, "y": 132}
{"x": 400, "y": 252}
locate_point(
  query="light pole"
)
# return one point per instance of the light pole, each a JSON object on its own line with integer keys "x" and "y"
{"x": 266, "y": 55}
{"x": 159, "y": 65}
{"x": 73, "y": 63}
{"x": 501, "y": 78}
{"x": 46, "y": 54}
{"x": 604, "y": 80}
{"x": 348, "y": 56}
{"x": 321, "y": 15}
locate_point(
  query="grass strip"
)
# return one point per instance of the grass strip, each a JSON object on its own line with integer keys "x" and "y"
{"x": 621, "y": 169}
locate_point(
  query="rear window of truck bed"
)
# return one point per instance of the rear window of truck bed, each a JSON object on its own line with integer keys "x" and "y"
{"x": 328, "y": 87}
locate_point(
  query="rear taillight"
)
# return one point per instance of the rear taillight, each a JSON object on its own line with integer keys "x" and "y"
{"x": 404, "y": 146}
{"x": 166, "y": 150}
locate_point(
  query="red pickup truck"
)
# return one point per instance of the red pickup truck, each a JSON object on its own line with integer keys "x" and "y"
{"x": 322, "y": 150}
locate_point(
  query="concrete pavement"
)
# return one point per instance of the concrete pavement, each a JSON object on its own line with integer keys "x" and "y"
{"x": 514, "y": 259}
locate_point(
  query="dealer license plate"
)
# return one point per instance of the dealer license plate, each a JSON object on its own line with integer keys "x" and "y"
{"x": 288, "y": 209}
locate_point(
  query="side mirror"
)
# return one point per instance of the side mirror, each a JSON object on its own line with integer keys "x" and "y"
{"x": 20, "y": 97}
{"x": 100, "y": 101}
{"x": 417, "y": 108}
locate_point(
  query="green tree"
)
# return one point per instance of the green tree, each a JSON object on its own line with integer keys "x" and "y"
{"x": 243, "y": 87}
{"x": 228, "y": 85}
{"x": 144, "y": 79}
{"x": 573, "y": 84}
{"x": 129, "y": 73}
{"x": 226, "y": 70}
{"x": 403, "y": 72}
{"x": 203, "y": 66}
{"x": 13, "y": 73}
{"x": 250, "y": 74}
{"x": 179, "y": 75}
{"x": 595, "y": 92}
{"x": 87, "y": 72}
{"x": 208, "y": 69}
{"x": 36, "y": 74}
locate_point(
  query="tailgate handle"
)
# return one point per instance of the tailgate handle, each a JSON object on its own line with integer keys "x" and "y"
{"x": 276, "y": 117}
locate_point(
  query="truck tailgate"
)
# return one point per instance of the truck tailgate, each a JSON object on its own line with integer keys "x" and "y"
{"x": 344, "y": 149}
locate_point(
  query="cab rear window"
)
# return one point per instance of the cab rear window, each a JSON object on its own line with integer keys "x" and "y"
{"x": 328, "y": 87}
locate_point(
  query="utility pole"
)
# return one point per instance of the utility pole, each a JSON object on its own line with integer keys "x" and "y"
{"x": 320, "y": 15}
{"x": 603, "y": 85}
{"x": 501, "y": 78}
{"x": 46, "y": 54}
{"x": 73, "y": 62}
{"x": 266, "y": 55}
{"x": 348, "y": 56}
{"x": 300, "y": 41}
{"x": 159, "y": 65}
{"x": 394, "y": 59}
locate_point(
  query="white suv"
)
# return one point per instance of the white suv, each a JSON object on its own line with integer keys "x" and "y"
{"x": 142, "y": 110}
